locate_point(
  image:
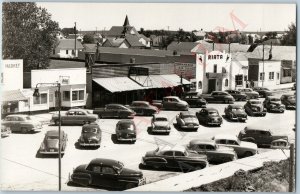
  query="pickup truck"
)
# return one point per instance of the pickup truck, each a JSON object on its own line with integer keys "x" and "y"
{"x": 114, "y": 110}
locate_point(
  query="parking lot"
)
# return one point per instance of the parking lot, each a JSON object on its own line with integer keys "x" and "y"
{"x": 18, "y": 151}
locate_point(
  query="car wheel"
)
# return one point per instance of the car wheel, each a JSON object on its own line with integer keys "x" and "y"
{"x": 130, "y": 186}
{"x": 247, "y": 154}
{"x": 24, "y": 130}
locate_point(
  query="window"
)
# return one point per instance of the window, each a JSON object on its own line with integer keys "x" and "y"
{"x": 1, "y": 78}
{"x": 42, "y": 99}
{"x": 107, "y": 170}
{"x": 226, "y": 82}
{"x": 53, "y": 51}
{"x": 239, "y": 80}
{"x": 287, "y": 72}
{"x": 200, "y": 85}
{"x": 51, "y": 98}
{"x": 168, "y": 153}
{"x": 67, "y": 52}
{"x": 77, "y": 95}
{"x": 96, "y": 169}
{"x": 178, "y": 153}
{"x": 232, "y": 142}
{"x": 278, "y": 76}
{"x": 261, "y": 76}
{"x": 66, "y": 95}
{"x": 245, "y": 77}
{"x": 215, "y": 68}
{"x": 271, "y": 75}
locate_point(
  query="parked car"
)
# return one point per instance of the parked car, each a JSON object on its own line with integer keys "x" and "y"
{"x": 219, "y": 96}
{"x": 75, "y": 117}
{"x": 214, "y": 152}
{"x": 174, "y": 103}
{"x": 126, "y": 131}
{"x": 262, "y": 92}
{"x": 21, "y": 123}
{"x": 50, "y": 143}
{"x": 289, "y": 100}
{"x": 242, "y": 148}
{"x": 209, "y": 116}
{"x": 249, "y": 92}
{"x": 193, "y": 99}
{"x": 187, "y": 120}
{"x": 273, "y": 104}
{"x": 5, "y": 131}
{"x": 91, "y": 135}
{"x": 255, "y": 107}
{"x": 237, "y": 95}
{"x": 280, "y": 144}
{"x": 177, "y": 157}
{"x": 235, "y": 112}
{"x": 107, "y": 173}
{"x": 143, "y": 108}
{"x": 115, "y": 110}
{"x": 157, "y": 104}
{"x": 260, "y": 135}
{"x": 294, "y": 86}
{"x": 160, "y": 124}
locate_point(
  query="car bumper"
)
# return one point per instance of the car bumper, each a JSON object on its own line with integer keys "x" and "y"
{"x": 38, "y": 128}
{"x": 5, "y": 134}
{"x": 142, "y": 181}
{"x": 51, "y": 152}
{"x": 259, "y": 113}
{"x": 293, "y": 107}
{"x": 126, "y": 139}
{"x": 214, "y": 123}
{"x": 281, "y": 110}
{"x": 89, "y": 144}
{"x": 160, "y": 130}
{"x": 190, "y": 127}
{"x": 239, "y": 118}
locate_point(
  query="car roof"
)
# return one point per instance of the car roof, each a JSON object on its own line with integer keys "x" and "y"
{"x": 77, "y": 109}
{"x": 202, "y": 141}
{"x": 254, "y": 100}
{"x": 185, "y": 113}
{"x": 173, "y": 148}
{"x": 273, "y": 97}
{"x": 225, "y": 136}
{"x": 140, "y": 102}
{"x": 210, "y": 109}
{"x": 105, "y": 161}
{"x": 126, "y": 121}
{"x": 113, "y": 104}
{"x": 235, "y": 105}
{"x": 171, "y": 97}
{"x": 54, "y": 132}
{"x": 19, "y": 115}
{"x": 160, "y": 115}
{"x": 256, "y": 127}
{"x": 92, "y": 124}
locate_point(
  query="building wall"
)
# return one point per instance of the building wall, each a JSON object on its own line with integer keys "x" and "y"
{"x": 238, "y": 68}
{"x": 267, "y": 67}
{"x": 63, "y": 53}
{"x": 12, "y": 74}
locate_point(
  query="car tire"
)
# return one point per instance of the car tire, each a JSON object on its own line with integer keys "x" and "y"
{"x": 24, "y": 130}
{"x": 130, "y": 186}
{"x": 247, "y": 154}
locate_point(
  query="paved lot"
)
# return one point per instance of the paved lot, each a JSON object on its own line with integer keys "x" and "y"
{"x": 18, "y": 152}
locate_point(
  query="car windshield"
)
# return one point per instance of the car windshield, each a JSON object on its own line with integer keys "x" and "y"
{"x": 188, "y": 116}
{"x": 90, "y": 130}
{"x": 291, "y": 97}
{"x": 127, "y": 126}
{"x": 119, "y": 168}
{"x": 213, "y": 113}
{"x": 238, "y": 109}
{"x": 275, "y": 99}
{"x": 52, "y": 137}
{"x": 161, "y": 119}
{"x": 255, "y": 102}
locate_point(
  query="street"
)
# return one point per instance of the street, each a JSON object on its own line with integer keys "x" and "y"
{"x": 18, "y": 151}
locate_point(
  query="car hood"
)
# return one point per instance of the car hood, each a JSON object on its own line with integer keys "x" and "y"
{"x": 90, "y": 136}
{"x": 182, "y": 102}
{"x": 161, "y": 123}
{"x": 292, "y": 101}
{"x": 80, "y": 168}
{"x": 52, "y": 143}
{"x": 258, "y": 106}
{"x": 238, "y": 112}
{"x": 127, "y": 132}
{"x": 197, "y": 156}
{"x": 248, "y": 145}
{"x": 150, "y": 153}
{"x": 130, "y": 172}
{"x": 191, "y": 120}
{"x": 214, "y": 117}
{"x": 276, "y": 103}
{"x": 279, "y": 136}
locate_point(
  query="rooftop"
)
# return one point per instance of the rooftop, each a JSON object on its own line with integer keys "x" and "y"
{"x": 69, "y": 44}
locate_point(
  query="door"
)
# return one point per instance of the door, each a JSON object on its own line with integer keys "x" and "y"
{"x": 97, "y": 176}
{"x": 212, "y": 85}
{"x": 169, "y": 156}
{"x": 109, "y": 177}
{"x": 17, "y": 123}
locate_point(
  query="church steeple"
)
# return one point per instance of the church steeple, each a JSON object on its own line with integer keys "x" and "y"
{"x": 126, "y": 22}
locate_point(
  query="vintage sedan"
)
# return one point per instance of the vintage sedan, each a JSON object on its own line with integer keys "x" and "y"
{"x": 5, "y": 131}
{"x": 75, "y": 117}
{"x": 242, "y": 148}
{"x": 219, "y": 96}
{"x": 235, "y": 112}
{"x": 21, "y": 123}
{"x": 262, "y": 92}
{"x": 143, "y": 108}
{"x": 115, "y": 110}
{"x": 249, "y": 92}
{"x": 289, "y": 100}
{"x": 174, "y": 103}
{"x": 107, "y": 173}
{"x": 280, "y": 144}
{"x": 50, "y": 143}
{"x": 209, "y": 116}
{"x": 126, "y": 131}
{"x": 194, "y": 100}
{"x": 160, "y": 124}
{"x": 214, "y": 152}
{"x": 273, "y": 104}
{"x": 91, "y": 135}
{"x": 260, "y": 135}
{"x": 187, "y": 120}
{"x": 255, "y": 107}
{"x": 237, "y": 95}
{"x": 177, "y": 157}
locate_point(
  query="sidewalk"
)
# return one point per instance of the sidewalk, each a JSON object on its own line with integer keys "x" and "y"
{"x": 281, "y": 86}
{"x": 211, "y": 174}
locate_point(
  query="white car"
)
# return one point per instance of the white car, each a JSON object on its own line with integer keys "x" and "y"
{"x": 242, "y": 148}
{"x": 160, "y": 124}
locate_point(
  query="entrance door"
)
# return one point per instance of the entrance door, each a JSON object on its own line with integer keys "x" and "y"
{"x": 212, "y": 85}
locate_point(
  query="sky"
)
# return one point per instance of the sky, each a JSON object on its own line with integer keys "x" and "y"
{"x": 172, "y": 16}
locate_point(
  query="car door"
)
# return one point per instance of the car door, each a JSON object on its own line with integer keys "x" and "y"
{"x": 67, "y": 119}
{"x": 202, "y": 114}
{"x": 180, "y": 161}
{"x": 235, "y": 145}
{"x": 81, "y": 117}
{"x": 109, "y": 176}
{"x": 96, "y": 174}
{"x": 8, "y": 121}
{"x": 110, "y": 111}
{"x": 169, "y": 157}
{"x": 17, "y": 123}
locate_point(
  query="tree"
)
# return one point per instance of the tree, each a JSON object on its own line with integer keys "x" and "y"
{"x": 88, "y": 39}
{"x": 290, "y": 38}
{"x": 28, "y": 34}
{"x": 271, "y": 35}
{"x": 68, "y": 31}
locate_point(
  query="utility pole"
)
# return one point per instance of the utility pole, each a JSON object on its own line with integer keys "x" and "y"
{"x": 75, "y": 38}
{"x": 263, "y": 60}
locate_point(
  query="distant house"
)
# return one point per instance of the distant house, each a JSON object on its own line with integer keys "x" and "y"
{"x": 200, "y": 34}
{"x": 79, "y": 37}
{"x": 66, "y": 48}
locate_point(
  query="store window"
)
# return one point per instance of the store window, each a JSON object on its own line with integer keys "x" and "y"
{"x": 42, "y": 99}
{"x": 245, "y": 77}
{"x": 215, "y": 68}
{"x": 226, "y": 82}
{"x": 278, "y": 76}
{"x": 238, "y": 80}
{"x": 77, "y": 95}
{"x": 67, "y": 51}
{"x": 200, "y": 85}
{"x": 271, "y": 75}
{"x": 66, "y": 95}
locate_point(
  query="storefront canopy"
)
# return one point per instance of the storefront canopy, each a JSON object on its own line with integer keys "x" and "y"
{"x": 13, "y": 95}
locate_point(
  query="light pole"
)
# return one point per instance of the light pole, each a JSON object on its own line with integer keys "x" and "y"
{"x": 37, "y": 94}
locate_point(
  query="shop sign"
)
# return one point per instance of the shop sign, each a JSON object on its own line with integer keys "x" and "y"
{"x": 64, "y": 80}
{"x": 138, "y": 71}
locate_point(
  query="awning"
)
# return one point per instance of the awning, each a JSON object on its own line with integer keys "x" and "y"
{"x": 13, "y": 95}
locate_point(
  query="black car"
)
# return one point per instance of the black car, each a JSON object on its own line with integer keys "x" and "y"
{"x": 289, "y": 100}
{"x": 143, "y": 108}
{"x": 219, "y": 96}
{"x": 237, "y": 95}
{"x": 194, "y": 100}
{"x": 107, "y": 173}
{"x": 126, "y": 131}
{"x": 263, "y": 92}
{"x": 255, "y": 107}
{"x": 114, "y": 110}
{"x": 273, "y": 104}
{"x": 209, "y": 116}
{"x": 236, "y": 112}
{"x": 177, "y": 157}
{"x": 90, "y": 135}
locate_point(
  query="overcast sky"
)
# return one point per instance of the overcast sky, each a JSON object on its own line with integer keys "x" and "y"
{"x": 189, "y": 16}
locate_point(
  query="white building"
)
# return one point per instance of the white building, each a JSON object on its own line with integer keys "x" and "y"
{"x": 66, "y": 48}
{"x": 12, "y": 74}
